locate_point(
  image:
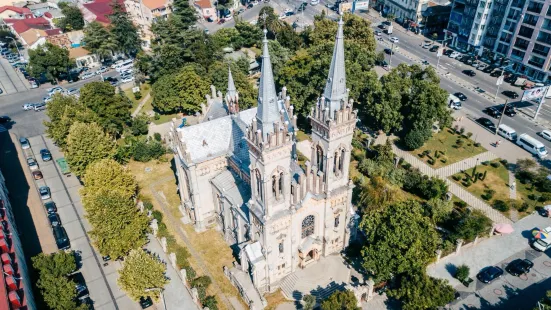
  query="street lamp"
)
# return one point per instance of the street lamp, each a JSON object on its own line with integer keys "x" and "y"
{"x": 17, "y": 47}
{"x": 160, "y": 289}
{"x": 500, "y": 80}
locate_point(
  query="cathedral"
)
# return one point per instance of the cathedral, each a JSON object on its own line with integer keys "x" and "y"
{"x": 238, "y": 172}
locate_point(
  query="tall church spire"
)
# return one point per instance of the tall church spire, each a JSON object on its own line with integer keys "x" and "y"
{"x": 335, "y": 89}
{"x": 268, "y": 111}
{"x": 231, "y": 92}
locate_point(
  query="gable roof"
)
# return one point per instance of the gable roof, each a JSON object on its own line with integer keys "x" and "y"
{"x": 102, "y": 9}
{"x": 22, "y": 11}
{"x": 22, "y": 25}
{"x": 154, "y": 4}
{"x": 203, "y": 4}
{"x": 32, "y": 35}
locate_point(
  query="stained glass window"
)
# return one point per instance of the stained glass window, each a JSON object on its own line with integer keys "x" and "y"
{"x": 308, "y": 226}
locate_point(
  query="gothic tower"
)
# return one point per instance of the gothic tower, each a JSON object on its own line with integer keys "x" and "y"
{"x": 333, "y": 121}
{"x": 232, "y": 96}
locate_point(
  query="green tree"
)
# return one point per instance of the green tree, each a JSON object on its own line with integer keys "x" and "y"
{"x": 279, "y": 55}
{"x": 140, "y": 273}
{"x": 438, "y": 209}
{"x": 87, "y": 143}
{"x": 123, "y": 31}
{"x": 72, "y": 19}
{"x": 140, "y": 125}
{"x": 57, "y": 264}
{"x": 474, "y": 223}
{"x": 117, "y": 224}
{"x": 109, "y": 174}
{"x": 416, "y": 138}
{"x": 309, "y": 302}
{"x": 356, "y": 30}
{"x": 99, "y": 41}
{"x": 181, "y": 92}
{"x": 340, "y": 300}
{"x": 544, "y": 303}
{"x": 63, "y": 111}
{"x": 250, "y": 35}
{"x": 399, "y": 239}
{"x": 113, "y": 110}
{"x": 247, "y": 93}
{"x": 418, "y": 291}
{"x": 50, "y": 60}
{"x": 59, "y": 293}
{"x": 186, "y": 13}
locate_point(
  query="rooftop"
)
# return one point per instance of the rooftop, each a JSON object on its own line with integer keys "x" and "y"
{"x": 154, "y": 4}
{"x": 203, "y": 4}
{"x": 22, "y": 25}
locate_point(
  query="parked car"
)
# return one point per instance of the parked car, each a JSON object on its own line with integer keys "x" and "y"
{"x": 56, "y": 90}
{"x": 427, "y": 44}
{"x": 146, "y": 302}
{"x": 434, "y": 48}
{"x": 546, "y": 134}
{"x": 493, "y": 112}
{"x": 46, "y": 155}
{"x": 4, "y": 119}
{"x": 511, "y": 94}
{"x": 86, "y": 75}
{"x": 24, "y": 143}
{"x": 37, "y": 175}
{"x": 394, "y": 39}
{"x": 47, "y": 99}
{"x": 454, "y": 54}
{"x": 469, "y": 72}
{"x": 33, "y": 83}
{"x": 54, "y": 219}
{"x": 482, "y": 67}
{"x": 39, "y": 107}
{"x": 486, "y": 123}
{"x": 496, "y": 73}
{"x": 127, "y": 72}
{"x": 80, "y": 285}
{"x": 44, "y": 192}
{"x": 102, "y": 70}
{"x": 73, "y": 92}
{"x": 388, "y": 51}
{"x": 519, "y": 266}
{"x": 489, "y": 274}
{"x": 461, "y": 96}
{"x": 31, "y": 162}
{"x": 378, "y": 33}
{"x": 28, "y": 106}
{"x": 127, "y": 79}
{"x": 61, "y": 239}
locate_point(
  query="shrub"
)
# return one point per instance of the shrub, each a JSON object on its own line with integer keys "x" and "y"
{"x": 416, "y": 138}
{"x": 459, "y": 142}
{"x": 147, "y": 204}
{"x": 501, "y": 205}
{"x": 456, "y": 128}
{"x": 484, "y": 175}
{"x": 436, "y": 154}
{"x": 462, "y": 273}
{"x": 461, "y": 204}
{"x": 485, "y": 163}
{"x": 469, "y": 134}
{"x": 477, "y": 144}
{"x": 462, "y": 130}
{"x": 157, "y": 215}
{"x": 138, "y": 95}
{"x": 495, "y": 164}
{"x": 443, "y": 160}
{"x": 190, "y": 272}
{"x": 157, "y": 137}
{"x": 422, "y": 155}
{"x": 524, "y": 207}
{"x": 467, "y": 183}
{"x": 456, "y": 177}
{"x": 504, "y": 162}
{"x": 146, "y": 151}
{"x": 427, "y": 152}
{"x": 157, "y": 116}
{"x": 481, "y": 175}
{"x": 545, "y": 197}
{"x": 430, "y": 161}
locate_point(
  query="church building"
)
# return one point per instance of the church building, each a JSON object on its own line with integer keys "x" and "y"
{"x": 238, "y": 173}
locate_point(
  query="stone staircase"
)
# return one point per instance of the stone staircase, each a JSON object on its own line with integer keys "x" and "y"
{"x": 288, "y": 285}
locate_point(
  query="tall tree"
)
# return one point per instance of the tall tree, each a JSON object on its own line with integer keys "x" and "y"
{"x": 87, "y": 143}
{"x": 99, "y": 41}
{"x": 56, "y": 264}
{"x": 418, "y": 291}
{"x": 340, "y": 300}
{"x": 181, "y": 92}
{"x": 63, "y": 111}
{"x": 399, "y": 239}
{"x": 72, "y": 19}
{"x": 123, "y": 31}
{"x": 50, "y": 60}
{"x": 107, "y": 173}
{"x": 112, "y": 109}
{"x": 186, "y": 13}
{"x": 140, "y": 273}
{"x": 59, "y": 293}
{"x": 117, "y": 225}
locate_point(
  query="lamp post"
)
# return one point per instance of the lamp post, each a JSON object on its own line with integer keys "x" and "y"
{"x": 17, "y": 47}
{"x": 160, "y": 289}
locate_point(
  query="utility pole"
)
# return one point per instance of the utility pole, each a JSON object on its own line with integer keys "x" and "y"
{"x": 501, "y": 117}
{"x": 391, "y": 52}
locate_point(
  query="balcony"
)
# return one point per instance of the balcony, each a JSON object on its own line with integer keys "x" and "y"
{"x": 544, "y": 37}
{"x": 526, "y": 32}
{"x": 536, "y": 62}
{"x": 543, "y": 52}
{"x": 517, "y": 55}
{"x": 518, "y": 4}
{"x": 531, "y": 20}
{"x": 535, "y": 7}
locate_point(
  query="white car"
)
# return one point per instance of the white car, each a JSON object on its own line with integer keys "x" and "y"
{"x": 427, "y": 45}
{"x": 287, "y": 11}
{"x": 454, "y": 54}
{"x": 314, "y": 2}
{"x": 482, "y": 67}
{"x": 127, "y": 72}
{"x": 127, "y": 79}
{"x": 56, "y": 90}
{"x": 546, "y": 134}
{"x": 47, "y": 99}
{"x": 73, "y": 92}
{"x": 28, "y": 106}
{"x": 118, "y": 62}
{"x": 33, "y": 84}
{"x": 394, "y": 39}
{"x": 87, "y": 75}
{"x": 102, "y": 70}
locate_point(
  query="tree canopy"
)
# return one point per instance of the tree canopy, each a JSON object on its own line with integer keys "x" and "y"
{"x": 340, "y": 300}
{"x": 418, "y": 291}
{"x": 124, "y": 32}
{"x": 140, "y": 272}
{"x": 399, "y": 239}
{"x": 50, "y": 60}
{"x": 99, "y": 40}
{"x": 72, "y": 19}
{"x": 180, "y": 92}
{"x": 87, "y": 143}
{"x": 109, "y": 174}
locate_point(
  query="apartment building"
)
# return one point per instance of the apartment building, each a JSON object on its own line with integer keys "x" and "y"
{"x": 145, "y": 12}
{"x": 406, "y": 9}
{"x": 467, "y": 24}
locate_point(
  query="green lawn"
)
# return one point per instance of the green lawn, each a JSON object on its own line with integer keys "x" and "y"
{"x": 497, "y": 179}
{"x": 145, "y": 89}
{"x": 449, "y": 152}
{"x": 301, "y": 136}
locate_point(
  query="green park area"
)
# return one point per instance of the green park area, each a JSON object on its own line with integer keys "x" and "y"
{"x": 448, "y": 146}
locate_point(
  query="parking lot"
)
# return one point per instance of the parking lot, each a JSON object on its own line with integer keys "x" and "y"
{"x": 11, "y": 81}
{"x": 100, "y": 279}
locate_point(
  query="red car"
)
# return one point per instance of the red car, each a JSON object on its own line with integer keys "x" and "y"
{"x": 221, "y": 21}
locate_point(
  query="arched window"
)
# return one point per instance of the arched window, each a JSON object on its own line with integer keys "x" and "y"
{"x": 258, "y": 178}
{"x": 308, "y": 226}
{"x": 281, "y": 183}
{"x": 281, "y": 247}
{"x": 319, "y": 158}
{"x": 335, "y": 163}
{"x": 341, "y": 160}
{"x": 274, "y": 182}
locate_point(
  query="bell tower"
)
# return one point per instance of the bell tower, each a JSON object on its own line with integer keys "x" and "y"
{"x": 333, "y": 120}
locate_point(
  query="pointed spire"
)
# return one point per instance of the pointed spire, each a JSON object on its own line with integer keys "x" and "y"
{"x": 335, "y": 89}
{"x": 268, "y": 112}
{"x": 231, "y": 92}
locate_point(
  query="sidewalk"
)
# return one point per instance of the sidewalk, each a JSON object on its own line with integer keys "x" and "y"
{"x": 176, "y": 294}
{"x": 489, "y": 251}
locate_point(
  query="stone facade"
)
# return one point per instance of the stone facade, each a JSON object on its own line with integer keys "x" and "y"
{"x": 239, "y": 173}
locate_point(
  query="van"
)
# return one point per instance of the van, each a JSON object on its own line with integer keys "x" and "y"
{"x": 507, "y": 132}
{"x": 532, "y": 145}
{"x": 127, "y": 64}
{"x": 542, "y": 244}
{"x": 454, "y": 102}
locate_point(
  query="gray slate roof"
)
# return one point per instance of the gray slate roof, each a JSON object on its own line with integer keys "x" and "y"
{"x": 268, "y": 107}
{"x": 335, "y": 89}
{"x": 235, "y": 190}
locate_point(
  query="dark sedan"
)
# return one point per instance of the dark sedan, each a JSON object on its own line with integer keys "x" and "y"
{"x": 469, "y": 72}
{"x": 493, "y": 112}
{"x": 54, "y": 219}
{"x": 434, "y": 48}
{"x": 486, "y": 123}
{"x": 50, "y": 207}
{"x": 388, "y": 51}
{"x": 4, "y": 119}
{"x": 511, "y": 94}
{"x": 448, "y": 52}
{"x": 461, "y": 96}
{"x": 519, "y": 266}
{"x": 489, "y": 274}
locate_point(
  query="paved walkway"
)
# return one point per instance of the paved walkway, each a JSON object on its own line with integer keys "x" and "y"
{"x": 141, "y": 104}
{"x": 489, "y": 251}
{"x": 465, "y": 164}
{"x": 454, "y": 188}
